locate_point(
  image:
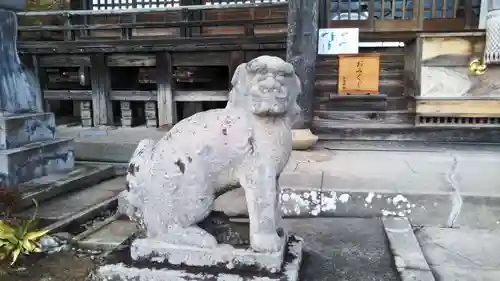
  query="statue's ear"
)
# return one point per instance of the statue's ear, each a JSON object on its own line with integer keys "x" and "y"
{"x": 237, "y": 73}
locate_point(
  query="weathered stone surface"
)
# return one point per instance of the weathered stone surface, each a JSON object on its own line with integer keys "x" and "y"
{"x": 15, "y": 5}
{"x": 408, "y": 257}
{"x": 172, "y": 182}
{"x": 465, "y": 248}
{"x": 17, "y": 94}
{"x": 18, "y": 130}
{"x": 47, "y": 187}
{"x": 109, "y": 236}
{"x": 303, "y": 139}
{"x": 128, "y": 272}
{"x": 64, "y": 206}
{"x": 35, "y": 160}
{"x": 224, "y": 256}
{"x": 461, "y": 254}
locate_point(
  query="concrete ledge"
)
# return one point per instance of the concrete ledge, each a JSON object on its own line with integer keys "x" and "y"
{"x": 35, "y": 160}
{"x": 22, "y": 129}
{"x": 409, "y": 259}
{"x": 47, "y": 187}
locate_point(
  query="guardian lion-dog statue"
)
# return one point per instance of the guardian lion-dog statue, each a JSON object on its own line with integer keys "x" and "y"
{"x": 172, "y": 182}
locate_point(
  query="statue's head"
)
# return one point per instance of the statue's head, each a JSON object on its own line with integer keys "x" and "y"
{"x": 267, "y": 86}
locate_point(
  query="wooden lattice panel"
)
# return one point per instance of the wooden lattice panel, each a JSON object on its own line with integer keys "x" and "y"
{"x": 433, "y": 121}
{"x": 129, "y": 4}
{"x": 218, "y": 2}
{"x": 468, "y": 112}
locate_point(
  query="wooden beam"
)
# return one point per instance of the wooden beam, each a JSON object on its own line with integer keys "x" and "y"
{"x": 302, "y": 45}
{"x": 78, "y": 95}
{"x": 458, "y": 107}
{"x": 197, "y": 96}
{"x": 64, "y": 60}
{"x": 101, "y": 87}
{"x": 131, "y": 60}
{"x": 149, "y": 10}
{"x": 167, "y": 113}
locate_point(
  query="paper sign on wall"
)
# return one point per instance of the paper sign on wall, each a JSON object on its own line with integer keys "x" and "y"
{"x": 338, "y": 41}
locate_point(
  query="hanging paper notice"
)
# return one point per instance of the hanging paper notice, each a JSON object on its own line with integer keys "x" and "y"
{"x": 338, "y": 41}
{"x": 359, "y": 74}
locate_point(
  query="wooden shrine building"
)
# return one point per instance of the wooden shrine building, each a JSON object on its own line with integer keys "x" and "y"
{"x": 154, "y": 62}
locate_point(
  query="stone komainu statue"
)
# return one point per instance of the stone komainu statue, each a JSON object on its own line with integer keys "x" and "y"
{"x": 172, "y": 183}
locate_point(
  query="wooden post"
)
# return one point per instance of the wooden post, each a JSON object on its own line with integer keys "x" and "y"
{"x": 302, "y": 45}
{"x": 101, "y": 87}
{"x": 235, "y": 59}
{"x": 167, "y": 113}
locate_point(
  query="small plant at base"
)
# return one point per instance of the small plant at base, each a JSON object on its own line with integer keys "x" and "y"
{"x": 19, "y": 239}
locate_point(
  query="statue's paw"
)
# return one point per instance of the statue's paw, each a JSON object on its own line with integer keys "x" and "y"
{"x": 261, "y": 242}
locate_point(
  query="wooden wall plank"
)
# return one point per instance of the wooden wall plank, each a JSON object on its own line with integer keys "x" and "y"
{"x": 200, "y": 58}
{"x": 131, "y": 60}
{"x": 64, "y": 60}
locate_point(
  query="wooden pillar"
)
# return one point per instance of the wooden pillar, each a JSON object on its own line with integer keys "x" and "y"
{"x": 101, "y": 87}
{"x": 167, "y": 113}
{"x": 235, "y": 59}
{"x": 302, "y": 45}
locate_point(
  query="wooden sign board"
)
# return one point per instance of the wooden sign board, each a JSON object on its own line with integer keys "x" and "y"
{"x": 359, "y": 74}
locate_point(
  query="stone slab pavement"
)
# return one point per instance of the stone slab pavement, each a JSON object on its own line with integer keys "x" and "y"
{"x": 443, "y": 254}
{"x": 436, "y": 184}
{"x": 461, "y": 254}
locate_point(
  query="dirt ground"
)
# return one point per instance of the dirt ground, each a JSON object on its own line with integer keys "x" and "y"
{"x": 64, "y": 266}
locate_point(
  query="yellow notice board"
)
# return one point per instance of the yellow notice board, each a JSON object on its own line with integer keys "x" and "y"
{"x": 359, "y": 74}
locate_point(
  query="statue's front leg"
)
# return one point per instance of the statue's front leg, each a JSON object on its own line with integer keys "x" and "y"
{"x": 259, "y": 182}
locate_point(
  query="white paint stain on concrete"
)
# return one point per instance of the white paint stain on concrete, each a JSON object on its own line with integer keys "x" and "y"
{"x": 369, "y": 198}
{"x": 329, "y": 202}
{"x": 344, "y": 198}
{"x": 399, "y": 199}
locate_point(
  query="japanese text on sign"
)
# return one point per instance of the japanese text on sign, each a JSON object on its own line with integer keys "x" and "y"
{"x": 335, "y": 41}
{"x": 359, "y": 74}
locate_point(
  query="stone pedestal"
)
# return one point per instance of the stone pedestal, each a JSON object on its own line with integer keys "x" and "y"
{"x": 148, "y": 259}
{"x": 29, "y": 149}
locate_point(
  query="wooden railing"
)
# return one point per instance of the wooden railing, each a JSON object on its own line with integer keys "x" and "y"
{"x": 242, "y": 17}
{"x": 172, "y": 21}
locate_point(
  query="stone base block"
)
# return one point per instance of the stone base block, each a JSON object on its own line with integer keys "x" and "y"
{"x": 222, "y": 256}
{"x": 22, "y": 129}
{"x": 35, "y": 160}
{"x": 127, "y": 271}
